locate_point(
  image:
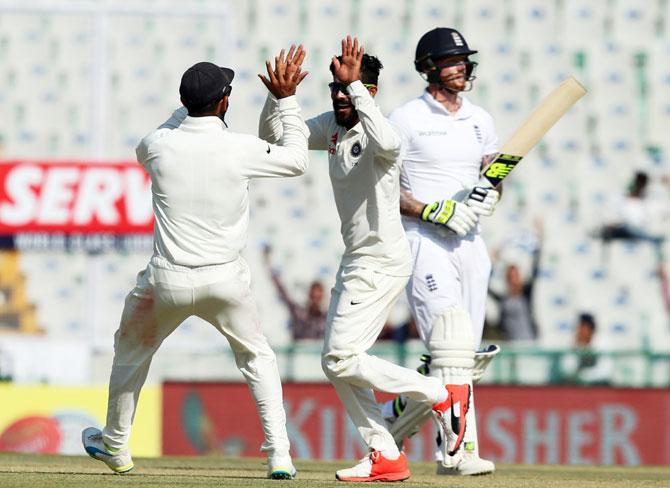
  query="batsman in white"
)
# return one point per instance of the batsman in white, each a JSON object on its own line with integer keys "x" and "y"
{"x": 363, "y": 150}
{"x": 446, "y": 141}
{"x": 200, "y": 173}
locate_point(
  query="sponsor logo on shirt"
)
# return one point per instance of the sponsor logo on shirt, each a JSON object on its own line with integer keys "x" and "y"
{"x": 430, "y": 282}
{"x": 333, "y": 143}
{"x": 432, "y": 132}
{"x": 478, "y": 133}
{"x": 356, "y": 149}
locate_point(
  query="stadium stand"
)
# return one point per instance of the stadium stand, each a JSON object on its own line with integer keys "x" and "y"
{"x": 86, "y": 80}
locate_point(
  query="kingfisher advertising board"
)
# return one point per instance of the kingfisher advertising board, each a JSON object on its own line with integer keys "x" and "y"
{"x": 74, "y": 197}
{"x": 530, "y": 425}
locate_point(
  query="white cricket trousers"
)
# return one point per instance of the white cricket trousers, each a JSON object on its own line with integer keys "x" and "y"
{"x": 360, "y": 304}
{"x": 449, "y": 272}
{"x": 167, "y": 294}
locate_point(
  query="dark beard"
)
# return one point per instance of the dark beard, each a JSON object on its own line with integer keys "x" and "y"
{"x": 347, "y": 121}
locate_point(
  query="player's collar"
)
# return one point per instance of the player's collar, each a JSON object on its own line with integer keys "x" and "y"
{"x": 357, "y": 128}
{"x": 463, "y": 113}
{"x": 202, "y": 122}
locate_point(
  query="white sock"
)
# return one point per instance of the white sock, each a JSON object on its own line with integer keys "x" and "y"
{"x": 442, "y": 396}
{"x": 391, "y": 453}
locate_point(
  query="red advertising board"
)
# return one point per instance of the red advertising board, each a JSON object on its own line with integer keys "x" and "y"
{"x": 74, "y": 197}
{"x": 531, "y": 425}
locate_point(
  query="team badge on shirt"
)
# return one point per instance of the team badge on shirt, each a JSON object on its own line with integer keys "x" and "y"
{"x": 356, "y": 149}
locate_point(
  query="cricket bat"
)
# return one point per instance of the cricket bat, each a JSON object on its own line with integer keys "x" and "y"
{"x": 536, "y": 125}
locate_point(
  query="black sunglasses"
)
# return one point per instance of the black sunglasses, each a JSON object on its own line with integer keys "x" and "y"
{"x": 227, "y": 90}
{"x": 341, "y": 87}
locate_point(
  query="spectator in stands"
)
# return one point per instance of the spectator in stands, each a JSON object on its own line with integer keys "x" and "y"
{"x": 399, "y": 333}
{"x": 308, "y": 321}
{"x": 517, "y": 322}
{"x": 584, "y": 365}
{"x": 631, "y": 218}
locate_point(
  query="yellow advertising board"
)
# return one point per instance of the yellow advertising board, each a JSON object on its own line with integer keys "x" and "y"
{"x": 50, "y": 419}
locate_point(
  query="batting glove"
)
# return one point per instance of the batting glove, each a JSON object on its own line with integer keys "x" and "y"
{"x": 482, "y": 200}
{"x": 452, "y": 214}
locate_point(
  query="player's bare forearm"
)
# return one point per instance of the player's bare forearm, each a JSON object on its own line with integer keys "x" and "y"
{"x": 486, "y": 160}
{"x": 410, "y": 206}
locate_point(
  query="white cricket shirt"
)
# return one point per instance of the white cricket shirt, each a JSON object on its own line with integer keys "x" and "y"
{"x": 442, "y": 152}
{"x": 364, "y": 172}
{"x": 200, "y": 174}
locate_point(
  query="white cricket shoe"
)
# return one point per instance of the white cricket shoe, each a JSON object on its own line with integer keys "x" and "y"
{"x": 375, "y": 467}
{"x": 118, "y": 460}
{"x": 469, "y": 464}
{"x": 280, "y": 467}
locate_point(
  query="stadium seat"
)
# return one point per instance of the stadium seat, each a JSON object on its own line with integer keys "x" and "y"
{"x": 488, "y": 21}
{"x": 268, "y": 15}
{"x": 426, "y": 15}
{"x": 535, "y": 19}
{"x": 635, "y": 23}
{"x": 584, "y": 21}
{"x": 375, "y": 20}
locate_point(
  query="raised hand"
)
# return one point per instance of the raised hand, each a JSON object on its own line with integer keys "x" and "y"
{"x": 287, "y": 73}
{"x": 349, "y": 69}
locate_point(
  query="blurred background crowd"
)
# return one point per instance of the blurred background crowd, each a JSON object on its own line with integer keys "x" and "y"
{"x": 579, "y": 292}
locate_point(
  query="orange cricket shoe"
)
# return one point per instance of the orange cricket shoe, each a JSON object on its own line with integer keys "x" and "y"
{"x": 451, "y": 414}
{"x": 375, "y": 467}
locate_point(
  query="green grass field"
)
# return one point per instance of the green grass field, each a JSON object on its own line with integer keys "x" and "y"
{"x": 30, "y": 470}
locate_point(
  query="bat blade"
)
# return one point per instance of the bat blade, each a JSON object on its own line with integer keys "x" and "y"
{"x": 536, "y": 125}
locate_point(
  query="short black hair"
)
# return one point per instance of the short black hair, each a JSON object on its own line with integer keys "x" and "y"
{"x": 370, "y": 68}
{"x": 638, "y": 184}
{"x": 207, "y": 109}
{"x": 587, "y": 319}
{"x": 640, "y": 179}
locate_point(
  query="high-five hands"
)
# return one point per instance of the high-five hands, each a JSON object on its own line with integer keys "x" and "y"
{"x": 287, "y": 73}
{"x": 349, "y": 69}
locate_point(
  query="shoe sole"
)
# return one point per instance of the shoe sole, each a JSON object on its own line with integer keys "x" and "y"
{"x": 481, "y": 473}
{"x": 455, "y": 472}
{"x": 281, "y": 475}
{"x": 402, "y": 476}
{"x": 91, "y": 451}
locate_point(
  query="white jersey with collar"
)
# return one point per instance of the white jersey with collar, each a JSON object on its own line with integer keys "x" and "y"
{"x": 442, "y": 152}
{"x": 364, "y": 172}
{"x": 200, "y": 174}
